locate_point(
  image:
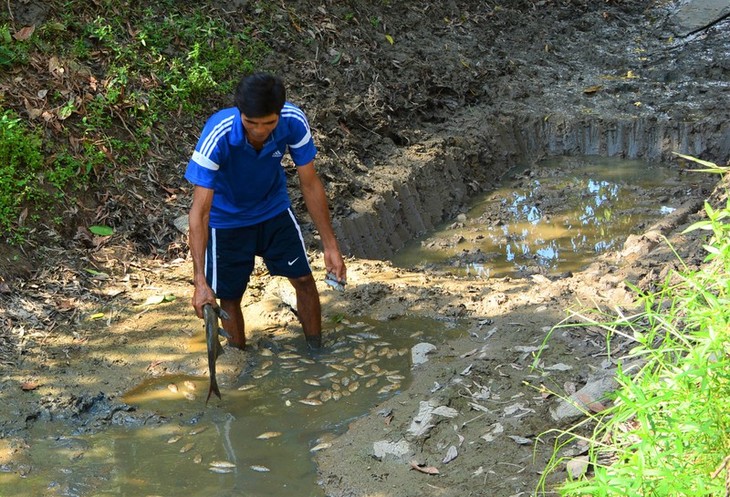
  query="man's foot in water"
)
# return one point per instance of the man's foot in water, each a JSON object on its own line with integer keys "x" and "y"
{"x": 314, "y": 342}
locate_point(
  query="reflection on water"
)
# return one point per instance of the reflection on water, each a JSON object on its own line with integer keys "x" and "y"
{"x": 257, "y": 441}
{"x": 552, "y": 218}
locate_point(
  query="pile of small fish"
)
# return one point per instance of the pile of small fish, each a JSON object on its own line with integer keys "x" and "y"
{"x": 355, "y": 363}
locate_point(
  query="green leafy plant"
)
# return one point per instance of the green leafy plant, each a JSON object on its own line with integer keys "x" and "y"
{"x": 668, "y": 430}
{"x": 133, "y": 70}
{"x": 20, "y": 163}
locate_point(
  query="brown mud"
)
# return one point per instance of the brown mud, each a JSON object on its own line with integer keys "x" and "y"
{"x": 416, "y": 107}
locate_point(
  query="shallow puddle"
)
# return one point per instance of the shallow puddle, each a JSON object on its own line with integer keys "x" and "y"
{"x": 552, "y": 218}
{"x": 258, "y": 440}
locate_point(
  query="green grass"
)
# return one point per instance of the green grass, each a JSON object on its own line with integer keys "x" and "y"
{"x": 667, "y": 432}
{"x": 127, "y": 72}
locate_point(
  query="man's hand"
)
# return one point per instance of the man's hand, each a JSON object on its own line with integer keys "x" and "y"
{"x": 335, "y": 264}
{"x": 202, "y": 295}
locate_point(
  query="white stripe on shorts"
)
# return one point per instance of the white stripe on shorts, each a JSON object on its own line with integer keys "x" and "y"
{"x": 214, "y": 269}
{"x": 301, "y": 238}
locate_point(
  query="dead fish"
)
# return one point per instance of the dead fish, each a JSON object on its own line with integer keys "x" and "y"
{"x": 336, "y": 387}
{"x": 312, "y": 382}
{"x": 210, "y": 316}
{"x": 289, "y": 355}
{"x": 403, "y": 351}
{"x": 358, "y": 353}
{"x": 260, "y": 374}
{"x": 260, "y": 469}
{"x": 222, "y": 464}
{"x": 197, "y": 431}
{"x": 307, "y": 361}
{"x": 322, "y": 446}
{"x": 313, "y": 394}
{"x": 338, "y": 367}
{"x": 345, "y": 381}
{"x": 353, "y": 386}
{"x": 220, "y": 470}
{"x": 187, "y": 448}
{"x": 395, "y": 378}
{"x": 198, "y": 458}
{"x": 266, "y": 352}
{"x": 190, "y": 395}
{"x": 325, "y": 396}
{"x": 298, "y": 370}
{"x": 172, "y": 387}
{"x": 336, "y": 395}
{"x": 389, "y": 388}
{"x": 311, "y": 402}
{"x": 383, "y": 352}
{"x": 269, "y": 434}
{"x": 174, "y": 439}
{"x": 190, "y": 385}
{"x": 359, "y": 371}
{"x": 375, "y": 368}
{"x": 371, "y": 382}
{"x": 346, "y": 393}
{"x": 285, "y": 391}
{"x": 266, "y": 364}
{"x": 248, "y": 386}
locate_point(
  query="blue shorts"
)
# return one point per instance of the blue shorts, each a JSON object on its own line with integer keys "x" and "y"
{"x": 230, "y": 255}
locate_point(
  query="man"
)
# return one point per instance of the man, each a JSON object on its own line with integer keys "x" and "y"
{"x": 241, "y": 207}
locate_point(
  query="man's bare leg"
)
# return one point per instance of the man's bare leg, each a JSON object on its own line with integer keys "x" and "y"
{"x": 309, "y": 309}
{"x": 234, "y": 325}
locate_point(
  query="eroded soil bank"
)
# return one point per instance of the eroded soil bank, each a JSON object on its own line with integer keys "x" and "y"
{"x": 408, "y": 131}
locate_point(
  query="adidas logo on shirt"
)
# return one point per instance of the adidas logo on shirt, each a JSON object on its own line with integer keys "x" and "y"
{"x": 276, "y": 154}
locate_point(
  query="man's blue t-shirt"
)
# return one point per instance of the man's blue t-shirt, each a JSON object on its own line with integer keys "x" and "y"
{"x": 249, "y": 185}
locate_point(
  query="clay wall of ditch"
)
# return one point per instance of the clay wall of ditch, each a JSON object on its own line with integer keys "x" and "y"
{"x": 460, "y": 167}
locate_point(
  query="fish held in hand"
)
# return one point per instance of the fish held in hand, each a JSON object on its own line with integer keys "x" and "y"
{"x": 212, "y": 330}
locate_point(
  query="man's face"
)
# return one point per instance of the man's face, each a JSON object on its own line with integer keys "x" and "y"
{"x": 258, "y": 129}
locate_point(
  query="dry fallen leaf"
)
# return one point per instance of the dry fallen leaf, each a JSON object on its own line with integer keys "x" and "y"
{"x": 429, "y": 470}
{"x": 24, "y": 33}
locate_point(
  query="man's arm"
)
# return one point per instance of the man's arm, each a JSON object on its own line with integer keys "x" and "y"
{"x": 316, "y": 202}
{"x": 198, "y": 240}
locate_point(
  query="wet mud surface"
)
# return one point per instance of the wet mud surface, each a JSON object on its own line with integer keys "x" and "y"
{"x": 92, "y": 318}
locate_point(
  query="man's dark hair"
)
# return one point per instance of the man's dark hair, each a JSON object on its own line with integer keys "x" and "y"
{"x": 260, "y": 94}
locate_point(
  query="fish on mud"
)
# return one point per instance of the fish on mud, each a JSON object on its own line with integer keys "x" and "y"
{"x": 222, "y": 464}
{"x": 269, "y": 434}
{"x": 196, "y": 431}
{"x": 215, "y": 469}
{"x": 289, "y": 355}
{"x": 212, "y": 330}
{"x": 311, "y": 402}
{"x": 259, "y": 468}
{"x": 321, "y": 446}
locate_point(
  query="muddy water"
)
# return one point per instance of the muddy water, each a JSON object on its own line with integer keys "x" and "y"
{"x": 258, "y": 440}
{"x": 551, "y": 218}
